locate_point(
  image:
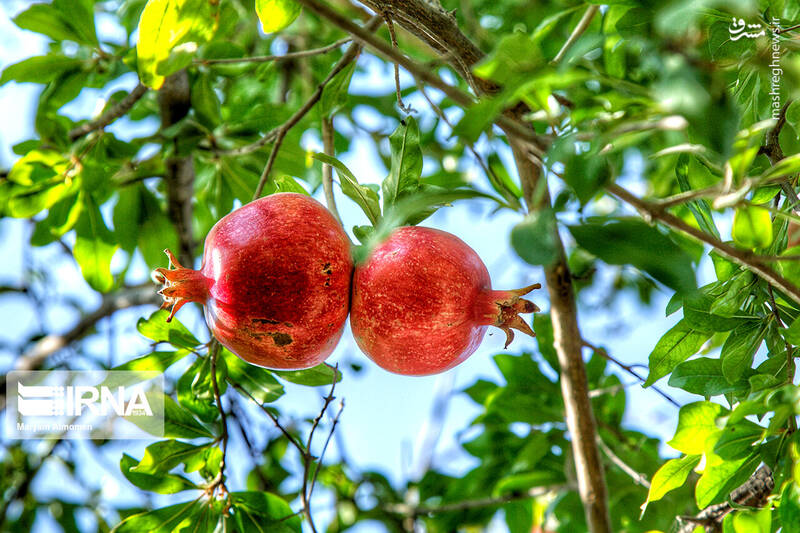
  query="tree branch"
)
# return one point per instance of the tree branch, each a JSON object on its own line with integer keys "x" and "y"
{"x": 266, "y": 59}
{"x": 35, "y": 357}
{"x": 174, "y": 102}
{"x": 752, "y": 493}
{"x": 350, "y": 55}
{"x": 116, "y": 111}
{"x": 382, "y": 48}
{"x": 414, "y": 511}
{"x": 577, "y": 32}
{"x": 743, "y": 258}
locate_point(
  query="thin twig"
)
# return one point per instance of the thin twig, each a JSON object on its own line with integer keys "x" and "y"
{"x": 790, "y": 28}
{"x": 328, "y": 146}
{"x": 305, "y": 493}
{"x": 291, "y": 438}
{"x": 577, "y": 32}
{"x": 387, "y": 16}
{"x": 219, "y": 481}
{"x": 638, "y": 477}
{"x": 350, "y": 55}
{"x": 743, "y": 258}
{"x": 325, "y": 446}
{"x": 116, "y": 111}
{"x": 266, "y": 59}
{"x": 790, "y": 367}
{"x": 602, "y": 352}
{"x": 414, "y": 511}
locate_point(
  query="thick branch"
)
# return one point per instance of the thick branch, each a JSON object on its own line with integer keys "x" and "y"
{"x": 752, "y": 493}
{"x": 116, "y": 111}
{"x": 174, "y": 101}
{"x": 744, "y": 258}
{"x": 512, "y": 125}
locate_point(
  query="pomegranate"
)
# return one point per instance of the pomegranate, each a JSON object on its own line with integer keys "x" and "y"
{"x": 422, "y": 302}
{"x": 275, "y": 281}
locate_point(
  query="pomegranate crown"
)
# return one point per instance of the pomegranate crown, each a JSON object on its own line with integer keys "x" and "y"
{"x": 181, "y": 285}
{"x": 511, "y": 304}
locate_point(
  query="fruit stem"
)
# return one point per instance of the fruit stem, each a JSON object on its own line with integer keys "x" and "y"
{"x": 181, "y": 285}
{"x": 502, "y": 309}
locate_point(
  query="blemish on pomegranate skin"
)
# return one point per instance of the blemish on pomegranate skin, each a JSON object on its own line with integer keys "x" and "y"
{"x": 326, "y": 269}
{"x": 264, "y": 321}
{"x": 281, "y": 339}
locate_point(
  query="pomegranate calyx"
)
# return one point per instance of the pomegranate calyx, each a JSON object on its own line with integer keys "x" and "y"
{"x": 511, "y": 304}
{"x": 181, "y": 285}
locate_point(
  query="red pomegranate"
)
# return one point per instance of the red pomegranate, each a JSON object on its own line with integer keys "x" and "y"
{"x": 275, "y": 281}
{"x": 423, "y": 300}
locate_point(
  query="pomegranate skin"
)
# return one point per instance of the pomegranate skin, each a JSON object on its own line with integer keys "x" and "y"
{"x": 422, "y": 302}
{"x": 275, "y": 281}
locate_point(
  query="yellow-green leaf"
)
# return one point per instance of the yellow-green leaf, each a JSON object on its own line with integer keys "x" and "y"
{"x": 276, "y": 15}
{"x": 169, "y": 33}
{"x": 752, "y": 227}
{"x": 671, "y": 475}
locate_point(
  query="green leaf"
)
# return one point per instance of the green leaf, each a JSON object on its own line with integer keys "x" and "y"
{"x": 514, "y": 55}
{"x": 165, "y": 520}
{"x": 162, "y": 456}
{"x": 334, "y": 95}
{"x": 696, "y": 425}
{"x": 674, "y": 347}
{"x": 736, "y": 440}
{"x": 262, "y": 511}
{"x": 704, "y": 376}
{"x": 94, "y": 247}
{"x": 205, "y": 102}
{"x": 406, "y": 167}
{"x": 366, "y": 198}
{"x": 169, "y": 33}
{"x": 289, "y": 184}
{"x": 753, "y": 522}
{"x": 180, "y": 424}
{"x": 699, "y": 208}
{"x": 585, "y": 171}
{"x": 195, "y": 388}
{"x": 737, "y": 291}
{"x": 318, "y": 376}
{"x": 40, "y": 69}
{"x": 631, "y": 241}
{"x": 789, "y": 510}
{"x": 161, "y": 483}
{"x": 752, "y": 227}
{"x": 697, "y": 313}
{"x": 254, "y": 380}
{"x": 786, "y": 166}
{"x": 158, "y": 329}
{"x": 740, "y": 348}
{"x": 534, "y": 239}
{"x": 478, "y": 117}
{"x": 670, "y": 476}
{"x": 152, "y": 362}
{"x": 63, "y": 20}
{"x": 792, "y": 333}
{"x": 276, "y": 15}
{"x": 36, "y": 182}
{"x": 718, "y": 480}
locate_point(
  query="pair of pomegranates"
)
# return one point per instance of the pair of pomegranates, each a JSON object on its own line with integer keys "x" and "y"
{"x": 276, "y": 284}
